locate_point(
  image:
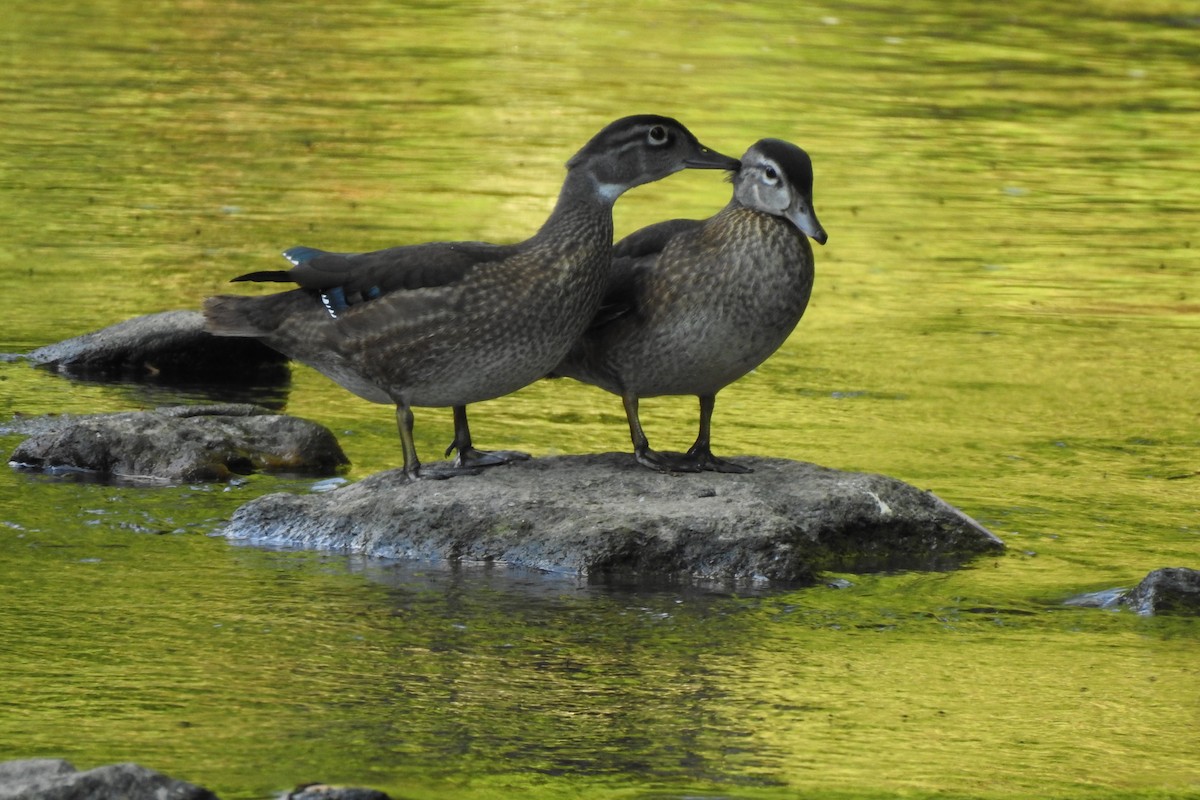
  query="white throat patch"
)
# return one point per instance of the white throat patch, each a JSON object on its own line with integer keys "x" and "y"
{"x": 609, "y": 191}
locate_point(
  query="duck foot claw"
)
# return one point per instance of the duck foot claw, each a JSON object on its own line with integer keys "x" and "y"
{"x": 669, "y": 463}
{"x": 470, "y": 457}
{"x": 705, "y": 460}
{"x": 441, "y": 471}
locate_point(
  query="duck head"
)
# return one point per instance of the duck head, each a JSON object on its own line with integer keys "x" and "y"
{"x": 640, "y": 149}
{"x": 776, "y": 177}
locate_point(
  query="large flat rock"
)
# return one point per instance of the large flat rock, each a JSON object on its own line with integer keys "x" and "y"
{"x": 604, "y": 514}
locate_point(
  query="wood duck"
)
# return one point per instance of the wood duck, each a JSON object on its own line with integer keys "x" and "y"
{"x": 693, "y": 305}
{"x": 453, "y": 323}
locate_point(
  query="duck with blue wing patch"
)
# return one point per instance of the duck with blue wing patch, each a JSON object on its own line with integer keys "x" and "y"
{"x": 453, "y": 323}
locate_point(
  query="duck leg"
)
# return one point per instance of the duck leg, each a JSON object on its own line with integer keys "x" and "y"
{"x": 468, "y": 456}
{"x": 662, "y": 462}
{"x": 412, "y": 466}
{"x": 701, "y": 453}
{"x": 404, "y": 421}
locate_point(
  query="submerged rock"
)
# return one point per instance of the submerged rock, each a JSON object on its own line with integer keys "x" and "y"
{"x": 168, "y": 346}
{"x": 1171, "y": 590}
{"x": 55, "y": 779}
{"x": 179, "y": 444}
{"x": 1105, "y": 598}
{"x": 599, "y": 514}
{"x": 323, "y": 792}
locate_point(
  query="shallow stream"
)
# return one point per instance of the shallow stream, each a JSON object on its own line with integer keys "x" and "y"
{"x": 1007, "y": 313}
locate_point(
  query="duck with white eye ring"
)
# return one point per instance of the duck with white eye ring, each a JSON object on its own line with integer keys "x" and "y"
{"x": 693, "y": 305}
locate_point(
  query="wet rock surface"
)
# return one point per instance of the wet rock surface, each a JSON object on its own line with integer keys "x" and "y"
{"x": 603, "y": 514}
{"x": 171, "y": 345}
{"x": 178, "y": 444}
{"x": 1171, "y": 590}
{"x": 55, "y": 779}
{"x": 324, "y": 792}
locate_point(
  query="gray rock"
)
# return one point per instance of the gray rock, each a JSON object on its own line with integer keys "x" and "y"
{"x": 603, "y": 514}
{"x": 54, "y": 779}
{"x": 180, "y": 444}
{"x": 32, "y": 773}
{"x": 1171, "y": 590}
{"x": 323, "y": 792}
{"x": 170, "y": 345}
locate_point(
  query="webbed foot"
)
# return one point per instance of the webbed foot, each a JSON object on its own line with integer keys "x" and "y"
{"x": 703, "y": 459}
{"x": 665, "y": 462}
{"x": 469, "y": 457}
{"x": 441, "y": 470}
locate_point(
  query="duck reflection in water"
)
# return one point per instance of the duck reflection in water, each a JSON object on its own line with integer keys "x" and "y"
{"x": 452, "y": 323}
{"x": 693, "y": 305}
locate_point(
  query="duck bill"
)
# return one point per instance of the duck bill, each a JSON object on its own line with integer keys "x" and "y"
{"x": 711, "y": 159}
{"x": 804, "y": 217}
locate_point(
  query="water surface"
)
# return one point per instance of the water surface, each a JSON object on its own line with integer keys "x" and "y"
{"x": 1006, "y": 313}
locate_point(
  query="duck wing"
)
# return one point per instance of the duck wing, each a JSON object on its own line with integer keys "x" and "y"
{"x": 633, "y": 257}
{"x": 346, "y": 279}
{"x": 653, "y": 239}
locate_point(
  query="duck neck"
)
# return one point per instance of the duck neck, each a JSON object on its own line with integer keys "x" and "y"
{"x": 583, "y": 203}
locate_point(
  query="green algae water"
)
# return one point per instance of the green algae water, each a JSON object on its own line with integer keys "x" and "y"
{"x": 1007, "y": 313}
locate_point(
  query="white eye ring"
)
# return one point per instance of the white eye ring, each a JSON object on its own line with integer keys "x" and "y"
{"x": 658, "y": 135}
{"x": 771, "y": 176}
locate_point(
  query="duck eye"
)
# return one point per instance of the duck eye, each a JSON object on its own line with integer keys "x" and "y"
{"x": 771, "y": 175}
{"x": 658, "y": 135}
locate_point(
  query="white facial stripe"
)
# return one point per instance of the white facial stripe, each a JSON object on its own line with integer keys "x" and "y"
{"x": 636, "y": 137}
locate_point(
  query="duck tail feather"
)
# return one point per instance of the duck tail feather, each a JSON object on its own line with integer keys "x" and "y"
{"x": 229, "y": 315}
{"x": 266, "y": 276}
